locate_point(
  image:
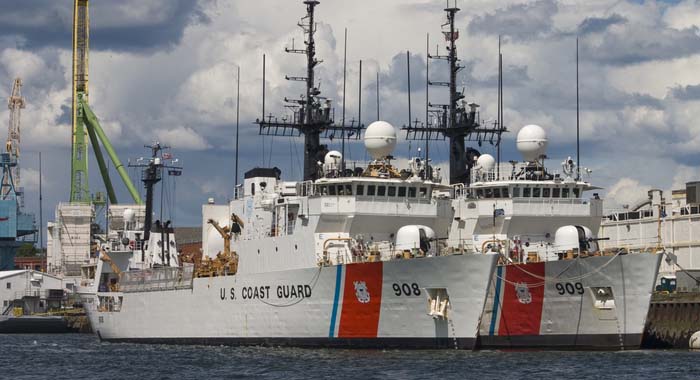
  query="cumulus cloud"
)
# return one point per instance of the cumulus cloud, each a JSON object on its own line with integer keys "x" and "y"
{"x": 122, "y": 25}
{"x": 518, "y": 21}
{"x": 182, "y": 138}
{"x": 627, "y": 192}
{"x": 599, "y": 24}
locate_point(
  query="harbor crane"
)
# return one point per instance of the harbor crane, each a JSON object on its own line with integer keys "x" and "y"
{"x": 85, "y": 123}
{"x": 14, "y": 223}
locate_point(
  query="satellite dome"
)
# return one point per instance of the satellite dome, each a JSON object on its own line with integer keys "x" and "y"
{"x": 380, "y": 139}
{"x": 485, "y": 162}
{"x": 332, "y": 158}
{"x": 532, "y": 142}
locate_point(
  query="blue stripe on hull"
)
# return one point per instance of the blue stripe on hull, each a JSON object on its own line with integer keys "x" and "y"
{"x": 336, "y": 296}
{"x": 496, "y": 300}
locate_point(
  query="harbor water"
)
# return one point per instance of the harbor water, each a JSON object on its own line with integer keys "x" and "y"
{"x": 75, "y": 356}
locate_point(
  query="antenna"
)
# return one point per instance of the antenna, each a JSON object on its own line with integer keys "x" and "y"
{"x": 359, "y": 97}
{"x": 345, "y": 63}
{"x": 500, "y": 109}
{"x": 408, "y": 74}
{"x": 578, "y": 148}
{"x": 41, "y": 218}
{"x": 377, "y": 92}
{"x": 427, "y": 102}
{"x": 263, "y": 111}
{"x": 238, "y": 108}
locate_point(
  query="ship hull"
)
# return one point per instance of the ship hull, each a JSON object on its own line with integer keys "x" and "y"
{"x": 588, "y": 303}
{"x": 367, "y": 305}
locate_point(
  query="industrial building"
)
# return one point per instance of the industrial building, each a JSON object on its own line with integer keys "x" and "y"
{"x": 27, "y": 292}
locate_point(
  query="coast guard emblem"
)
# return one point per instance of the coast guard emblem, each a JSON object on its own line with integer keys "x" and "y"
{"x": 361, "y": 291}
{"x": 523, "y": 293}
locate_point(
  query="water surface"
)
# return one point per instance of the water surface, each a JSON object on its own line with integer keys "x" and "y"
{"x": 81, "y": 356}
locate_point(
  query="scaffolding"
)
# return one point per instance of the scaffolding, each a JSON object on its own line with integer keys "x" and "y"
{"x": 70, "y": 239}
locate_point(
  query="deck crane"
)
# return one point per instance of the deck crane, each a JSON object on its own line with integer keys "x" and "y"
{"x": 86, "y": 125}
{"x": 14, "y": 223}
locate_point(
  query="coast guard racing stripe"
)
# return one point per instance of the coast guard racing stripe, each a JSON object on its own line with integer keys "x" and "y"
{"x": 521, "y": 311}
{"x": 362, "y": 301}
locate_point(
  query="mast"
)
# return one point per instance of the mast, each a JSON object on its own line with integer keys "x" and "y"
{"x": 456, "y": 121}
{"x": 312, "y": 114}
{"x": 458, "y": 157}
{"x": 578, "y": 148}
{"x": 151, "y": 174}
{"x": 408, "y": 75}
{"x": 238, "y": 108}
{"x": 345, "y": 64}
{"x": 427, "y": 105}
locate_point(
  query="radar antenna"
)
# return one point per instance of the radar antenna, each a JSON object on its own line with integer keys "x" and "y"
{"x": 454, "y": 121}
{"x": 312, "y": 114}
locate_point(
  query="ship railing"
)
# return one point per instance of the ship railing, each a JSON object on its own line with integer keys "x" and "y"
{"x": 344, "y": 254}
{"x": 157, "y": 279}
{"x": 31, "y": 294}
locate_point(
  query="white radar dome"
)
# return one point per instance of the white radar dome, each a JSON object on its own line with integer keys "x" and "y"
{"x": 332, "y": 158}
{"x": 380, "y": 139}
{"x": 486, "y": 162}
{"x": 129, "y": 215}
{"x": 532, "y": 142}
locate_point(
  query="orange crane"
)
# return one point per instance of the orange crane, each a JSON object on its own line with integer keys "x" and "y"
{"x": 15, "y": 104}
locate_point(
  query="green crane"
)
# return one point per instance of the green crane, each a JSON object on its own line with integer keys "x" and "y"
{"x": 85, "y": 123}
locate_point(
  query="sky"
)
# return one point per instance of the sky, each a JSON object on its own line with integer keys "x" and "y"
{"x": 165, "y": 70}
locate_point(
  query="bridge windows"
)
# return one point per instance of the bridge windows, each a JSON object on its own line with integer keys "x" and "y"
{"x": 381, "y": 191}
{"x": 545, "y": 192}
{"x": 392, "y": 191}
{"x": 536, "y": 192}
{"x": 402, "y": 192}
{"x": 360, "y": 190}
{"x": 411, "y": 192}
{"x": 371, "y": 190}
